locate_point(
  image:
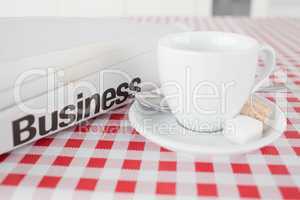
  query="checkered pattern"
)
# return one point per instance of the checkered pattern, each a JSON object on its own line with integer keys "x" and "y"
{"x": 105, "y": 158}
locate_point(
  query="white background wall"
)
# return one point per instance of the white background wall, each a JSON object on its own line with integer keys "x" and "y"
{"x": 98, "y": 8}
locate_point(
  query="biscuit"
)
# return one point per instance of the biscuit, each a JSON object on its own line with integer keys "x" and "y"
{"x": 257, "y": 109}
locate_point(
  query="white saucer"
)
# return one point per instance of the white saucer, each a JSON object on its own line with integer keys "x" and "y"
{"x": 162, "y": 128}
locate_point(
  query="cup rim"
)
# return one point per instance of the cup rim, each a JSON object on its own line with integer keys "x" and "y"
{"x": 162, "y": 42}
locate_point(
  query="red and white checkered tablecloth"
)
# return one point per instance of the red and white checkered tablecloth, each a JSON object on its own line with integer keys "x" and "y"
{"x": 106, "y": 159}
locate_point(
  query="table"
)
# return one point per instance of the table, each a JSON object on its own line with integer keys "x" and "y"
{"x": 106, "y": 158}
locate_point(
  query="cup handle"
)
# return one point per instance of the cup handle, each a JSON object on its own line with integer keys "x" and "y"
{"x": 270, "y": 62}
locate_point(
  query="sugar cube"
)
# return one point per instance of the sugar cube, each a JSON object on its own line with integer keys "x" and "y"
{"x": 243, "y": 129}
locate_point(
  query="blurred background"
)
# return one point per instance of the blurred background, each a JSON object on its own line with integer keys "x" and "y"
{"x": 100, "y": 8}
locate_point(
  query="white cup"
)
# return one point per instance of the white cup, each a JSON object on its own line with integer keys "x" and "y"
{"x": 207, "y": 76}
